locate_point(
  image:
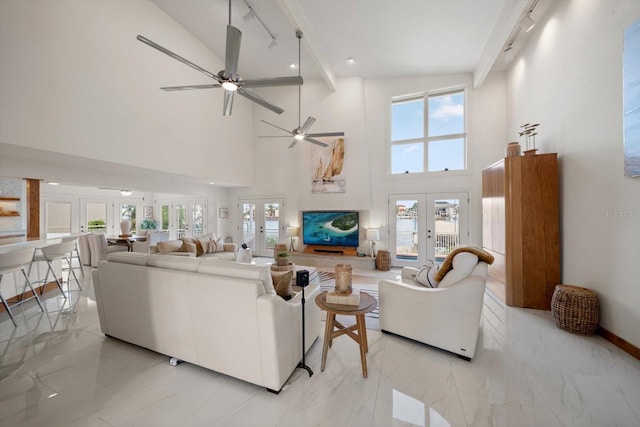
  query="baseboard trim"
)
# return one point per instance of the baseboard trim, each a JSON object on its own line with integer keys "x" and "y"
{"x": 621, "y": 343}
{"x": 41, "y": 290}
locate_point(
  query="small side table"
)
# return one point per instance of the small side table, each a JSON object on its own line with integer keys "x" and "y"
{"x": 367, "y": 304}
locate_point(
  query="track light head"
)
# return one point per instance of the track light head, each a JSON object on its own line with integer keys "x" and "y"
{"x": 527, "y": 23}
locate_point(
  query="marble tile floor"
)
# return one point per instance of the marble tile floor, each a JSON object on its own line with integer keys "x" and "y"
{"x": 57, "y": 369}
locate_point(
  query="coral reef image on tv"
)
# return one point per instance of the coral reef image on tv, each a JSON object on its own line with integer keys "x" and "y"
{"x": 331, "y": 228}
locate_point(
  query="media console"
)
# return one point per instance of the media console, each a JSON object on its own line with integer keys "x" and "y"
{"x": 338, "y": 255}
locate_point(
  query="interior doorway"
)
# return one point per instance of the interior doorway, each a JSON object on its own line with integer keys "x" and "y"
{"x": 261, "y": 224}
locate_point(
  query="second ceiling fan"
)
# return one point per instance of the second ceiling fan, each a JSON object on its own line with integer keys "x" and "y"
{"x": 300, "y": 133}
{"x": 228, "y": 78}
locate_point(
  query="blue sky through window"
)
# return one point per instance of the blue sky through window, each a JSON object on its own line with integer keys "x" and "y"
{"x": 445, "y": 117}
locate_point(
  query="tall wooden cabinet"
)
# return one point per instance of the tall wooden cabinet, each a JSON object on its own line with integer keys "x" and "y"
{"x": 521, "y": 227}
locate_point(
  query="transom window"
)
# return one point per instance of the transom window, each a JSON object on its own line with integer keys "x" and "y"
{"x": 444, "y": 147}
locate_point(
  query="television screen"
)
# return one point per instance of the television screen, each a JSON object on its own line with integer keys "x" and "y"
{"x": 331, "y": 228}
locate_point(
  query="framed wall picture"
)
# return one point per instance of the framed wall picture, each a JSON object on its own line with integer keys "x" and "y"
{"x": 223, "y": 213}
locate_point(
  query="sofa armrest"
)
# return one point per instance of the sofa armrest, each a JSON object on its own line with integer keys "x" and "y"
{"x": 409, "y": 273}
{"x": 231, "y": 247}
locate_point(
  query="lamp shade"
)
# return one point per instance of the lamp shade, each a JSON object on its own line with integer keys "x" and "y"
{"x": 372, "y": 234}
{"x": 291, "y": 232}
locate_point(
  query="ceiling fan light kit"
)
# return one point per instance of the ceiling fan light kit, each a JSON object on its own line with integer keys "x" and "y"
{"x": 228, "y": 78}
{"x": 300, "y": 133}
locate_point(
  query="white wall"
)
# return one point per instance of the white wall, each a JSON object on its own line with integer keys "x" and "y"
{"x": 569, "y": 79}
{"x": 361, "y": 109}
{"x": 74, "y": 80}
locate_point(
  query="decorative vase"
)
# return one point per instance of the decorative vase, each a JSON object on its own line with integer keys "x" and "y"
{"x": 125, "y": 227}
{"x": 512, "y": 150}
{"x": 282, "y": 261}
{"x": 343, "y": 279}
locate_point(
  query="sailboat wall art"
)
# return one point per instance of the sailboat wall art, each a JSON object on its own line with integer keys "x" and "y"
{"x": 327, "y": 167}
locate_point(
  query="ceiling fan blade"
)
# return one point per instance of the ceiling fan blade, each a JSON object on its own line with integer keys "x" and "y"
{"x": 315, "y": 141}
{"x": 272, "y": 81}
{"x": 258, "y": 100}
{"x": 326, "y": 134}
{"x": 177, "y": 57}
{"x": 228, "y": 102}
{"x": 307, "y": 124}
{"x": 277, "y": 127}
{"x": 171, "y": 88}
{"x": 232, "y": 52}
{"x": 293, "y": 143}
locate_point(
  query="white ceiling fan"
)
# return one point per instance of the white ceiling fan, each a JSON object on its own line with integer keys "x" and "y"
{"x": 300, "y": 133}
{"x": 228, "y": 78}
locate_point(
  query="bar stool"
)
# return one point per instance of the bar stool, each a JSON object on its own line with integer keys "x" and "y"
{"x": 75, "y": 251}
{"x": 58, "y": 251}
{"x": 12, "y": 262}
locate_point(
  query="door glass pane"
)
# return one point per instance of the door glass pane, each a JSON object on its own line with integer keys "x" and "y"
{"x": 165, "y": 218}
{"x": 129, "y": 212}
{"x": 249, "y": 225}
{"x": 181, "y": 221}
{"x": 271, "y": 224}
{"x": 196, "y": 216}
{"x": 58, "y": 219}
{"x": 407, "y": 229}
{"x": 447, "y": 228}
{"x": 96, "y": 217}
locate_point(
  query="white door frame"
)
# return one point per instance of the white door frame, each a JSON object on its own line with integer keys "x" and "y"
{"x": 110, "y": 226}
{"x": 425, "y": 237}
{"x": 262, "y": 238}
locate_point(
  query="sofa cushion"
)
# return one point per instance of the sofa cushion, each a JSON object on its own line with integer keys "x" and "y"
{"x": 194, "y": 240}
{"x": 463, "y": 264}
{"x": 426, "y": 276}
{"x": 169, "y": 246}
{"x": 241, "y": 271}
{"x": 189, "y": 247}
{"x": 174, "y": 262}
{"x": 282, "y": 283}
{"x": 216, "y": 245}
{"x": 135, "y": 258}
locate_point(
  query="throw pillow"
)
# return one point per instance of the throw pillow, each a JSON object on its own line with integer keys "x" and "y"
{"x": 282, "y": 284}
{"x": 192, "y": 248}
{"x": 169, "y": 246}
{"x": 219, "y": 245}
{"x": 463, "y": 264}
{"x": 426, "y": 275}
{"x": 204, "y": 244}
{"x": 199, "y": 249}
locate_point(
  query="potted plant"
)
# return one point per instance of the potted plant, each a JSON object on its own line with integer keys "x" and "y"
{"x": 148, "y": 224}
{"x": 282, "y": 258}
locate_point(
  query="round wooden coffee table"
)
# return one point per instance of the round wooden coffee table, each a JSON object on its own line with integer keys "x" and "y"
{"x": 357, "y": 332}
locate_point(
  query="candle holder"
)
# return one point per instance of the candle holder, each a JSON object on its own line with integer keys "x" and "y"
{"x": 343, "y": 279}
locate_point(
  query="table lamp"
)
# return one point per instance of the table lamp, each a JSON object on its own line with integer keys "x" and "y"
{"x": 291, "y": 232}
{"x": 373, "y": 234}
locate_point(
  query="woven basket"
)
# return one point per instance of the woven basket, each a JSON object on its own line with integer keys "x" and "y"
{"x": 575, "y": 309}
{"x": 383, "y": 260}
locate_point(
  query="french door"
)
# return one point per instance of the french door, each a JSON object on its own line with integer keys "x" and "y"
{"x": 189, "y": 218}
{"x": 426, "y": 226}
{"x": 96, "y": 215}
{"x": 261, "y": 222}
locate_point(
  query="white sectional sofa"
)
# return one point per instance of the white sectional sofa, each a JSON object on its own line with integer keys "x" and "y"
{"x": 221, "y": 315}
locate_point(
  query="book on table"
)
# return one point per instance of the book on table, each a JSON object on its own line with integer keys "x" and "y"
{"x": 352, "y": 299}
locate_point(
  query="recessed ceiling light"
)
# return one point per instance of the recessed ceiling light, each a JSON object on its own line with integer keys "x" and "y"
{"x": 125, "y": 192}
{"x": 292, "y": 65}
{"x": 54, "y": 183}
{"x": 212, "y": 183}
{"x": 351, "y": 60}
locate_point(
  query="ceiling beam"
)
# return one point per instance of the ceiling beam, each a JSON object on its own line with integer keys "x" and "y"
{"x": 507, "y": 20}
{"x": 293, "y": 11}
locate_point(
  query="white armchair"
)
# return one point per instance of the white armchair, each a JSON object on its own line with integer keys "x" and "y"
{"x": 443, "y": 317}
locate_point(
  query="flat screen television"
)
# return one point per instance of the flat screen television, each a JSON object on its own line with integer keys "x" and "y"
{"x": 330, "y": 228}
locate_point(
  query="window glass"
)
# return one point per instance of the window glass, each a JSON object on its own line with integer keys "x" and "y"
{"x": 407, "y": 158}
{"x": 446, "y": 154}
{"x": 446, "y": 114}
{"x": 407, "y": 119}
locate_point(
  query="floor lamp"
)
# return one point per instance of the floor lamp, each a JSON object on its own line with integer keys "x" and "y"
{"x": 302, "y": 280}
{"x": 373, "y": 234}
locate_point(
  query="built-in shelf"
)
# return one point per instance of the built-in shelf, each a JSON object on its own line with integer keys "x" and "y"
{"x": 9, "y": 199}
